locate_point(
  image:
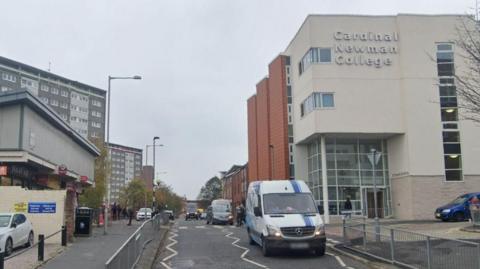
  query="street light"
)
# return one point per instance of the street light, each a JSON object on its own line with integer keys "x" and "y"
{"x": 107, "y": 182}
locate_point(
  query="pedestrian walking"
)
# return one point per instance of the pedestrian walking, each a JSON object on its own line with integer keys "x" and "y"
{"x": 130, "y": 216}
{"x": 348, "y": 208}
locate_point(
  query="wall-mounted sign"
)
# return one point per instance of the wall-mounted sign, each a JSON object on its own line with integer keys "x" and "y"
{"x": 42, "y": 207}
{"x": 20, "y": 207}
{"x": 366, "y": 48}
{"x": 62, "y": 170}
{"x": 3, "y": 170}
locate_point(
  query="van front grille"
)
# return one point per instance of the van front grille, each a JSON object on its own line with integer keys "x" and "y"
{"x": 298, "y": 231}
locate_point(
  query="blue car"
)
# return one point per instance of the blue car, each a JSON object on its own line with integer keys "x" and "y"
{"x": 458, "y": 209}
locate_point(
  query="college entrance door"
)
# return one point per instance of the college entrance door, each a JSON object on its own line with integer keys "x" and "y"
{"x": 368, "y": 202}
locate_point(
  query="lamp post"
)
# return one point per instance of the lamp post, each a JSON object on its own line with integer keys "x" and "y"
{"x": 107, "y": 182}
{"x": 155, "y": 138}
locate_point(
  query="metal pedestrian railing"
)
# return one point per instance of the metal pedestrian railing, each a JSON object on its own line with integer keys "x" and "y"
{"x": 127, "y": 256}
{"x": 410, "y": 249}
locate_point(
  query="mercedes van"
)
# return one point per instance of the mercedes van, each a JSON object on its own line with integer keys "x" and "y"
{"x": 282, "y": 214}
{"x": 220, "y": 212}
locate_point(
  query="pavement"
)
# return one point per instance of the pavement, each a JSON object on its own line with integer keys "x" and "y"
{"x": 92, "y": 252}
{"x": 29, "y": 259}
{"x": 193, "y": 244}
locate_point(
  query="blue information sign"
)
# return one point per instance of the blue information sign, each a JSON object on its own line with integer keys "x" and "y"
{"x": 42, "y": 207}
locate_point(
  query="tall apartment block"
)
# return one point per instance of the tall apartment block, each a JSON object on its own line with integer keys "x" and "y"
{"x": 270, "y": 130}
{"x": 80, "y": 105}
{"x": 126, "y": 166}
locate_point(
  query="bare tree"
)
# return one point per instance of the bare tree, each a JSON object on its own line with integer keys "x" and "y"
{"x": 468, "y": 80}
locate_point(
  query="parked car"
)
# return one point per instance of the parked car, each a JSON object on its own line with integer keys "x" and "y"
{"x": 144, "y": 213}
{"x": 220, "y": 212}
{"x": 170, "y": 214}
{"x": 203, "y": 215}
{"x": 458, "y": 209}
{"x": 282, "y": 214}
{"x": 15, "y": 231}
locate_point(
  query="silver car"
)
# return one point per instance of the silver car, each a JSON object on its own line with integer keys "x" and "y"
{"x": 15, "y": 231}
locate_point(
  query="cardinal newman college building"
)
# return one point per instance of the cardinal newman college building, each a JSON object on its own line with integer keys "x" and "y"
{"x": 350, "y": 84}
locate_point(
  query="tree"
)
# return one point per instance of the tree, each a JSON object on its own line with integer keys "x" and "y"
{"x": 135, "y": 195}
{"x": 93, "y": 197}
{"x": 468, "y": 80}
{"x": 166, "y": 198}
{"x": 212, "y": 190}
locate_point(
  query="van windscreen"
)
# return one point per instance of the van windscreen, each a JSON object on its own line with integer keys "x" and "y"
{"x": 289, "y": 203}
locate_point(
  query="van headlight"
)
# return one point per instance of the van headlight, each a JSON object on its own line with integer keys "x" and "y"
{"x": 273, "y": 231}
{"x": 446, "y": 211}
{"x": 320, "y": 230}
{"x": 230, "y": 217}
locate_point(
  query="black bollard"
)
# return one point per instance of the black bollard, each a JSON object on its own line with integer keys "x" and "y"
{"x": 41, "y": 246}
{"x": 2, "y": 259}
{"x": 64, "y": 235}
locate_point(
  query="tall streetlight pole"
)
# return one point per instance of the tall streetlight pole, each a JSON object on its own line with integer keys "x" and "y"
{"x": 155, "y": 138}
{"x": 107, "y": 181}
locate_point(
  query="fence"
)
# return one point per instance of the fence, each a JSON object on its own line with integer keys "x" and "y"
{"x": 410, "y": 249}
{"x": 40, "y": 244}
{"x": 475, "y": 212}
{"x": 129, "y": 253}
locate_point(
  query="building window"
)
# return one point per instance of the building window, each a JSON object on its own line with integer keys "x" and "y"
{"x": 449, "y": 112}
{"x": 54, "y": 102}
{"x": 6, "y": 89}
{"x": 96, "y": 124}
{"x": 44, "y": 99}
{"x": 64, "y": 93}
{"x": 314, "y": 56}
{"x": 64, "y": 105}
{"x": 44, "y": 88}
{"x": 316, "y": 100}
{"x": 96, "y": 114}
{"x": 96, "y": 103}
{"x": 54, "y": 91}
{"x": 9, "y": 77}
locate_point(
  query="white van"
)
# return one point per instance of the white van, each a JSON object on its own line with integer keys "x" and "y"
{"x": 282, "y": 214}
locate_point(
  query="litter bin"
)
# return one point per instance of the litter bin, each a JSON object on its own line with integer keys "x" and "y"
{"x": 83, "y": 221}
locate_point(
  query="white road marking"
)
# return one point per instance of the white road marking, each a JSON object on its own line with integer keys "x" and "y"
{"x": 339, "y": 260}
{"x": 218, "y": 227}
{"x": 174, "y": 252}
{"x": 333, "y": 241}
{"x": 200, "y": 227}
{"x": 183, "y": 227}
{"x": 245, "y": 252}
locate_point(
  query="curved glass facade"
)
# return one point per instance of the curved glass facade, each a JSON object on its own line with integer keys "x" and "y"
{"x": 350, "y": 174}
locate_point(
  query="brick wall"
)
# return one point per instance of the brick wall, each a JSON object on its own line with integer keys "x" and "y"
{"x": 252, "y": 138}
{"x": 263, "y": 136}
{"x": 268, "y": 125}
{"x": 278, "y": 118}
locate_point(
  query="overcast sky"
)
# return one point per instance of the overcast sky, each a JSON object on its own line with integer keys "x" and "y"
{"x": 200, "y": 61}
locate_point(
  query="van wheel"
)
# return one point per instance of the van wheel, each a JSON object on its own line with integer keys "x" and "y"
{"x": 459, "y": 216}
{"x": 266, "y": 251}
{"x": 320, "y": 251}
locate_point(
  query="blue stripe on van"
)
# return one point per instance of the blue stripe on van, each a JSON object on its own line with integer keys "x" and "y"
{"x": 296, "y": 187}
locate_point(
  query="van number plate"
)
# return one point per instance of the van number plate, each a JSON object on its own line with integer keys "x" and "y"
{"x": 299, "y": 245}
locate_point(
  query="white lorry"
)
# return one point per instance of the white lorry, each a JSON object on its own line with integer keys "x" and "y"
{"x": 282, "y": 214}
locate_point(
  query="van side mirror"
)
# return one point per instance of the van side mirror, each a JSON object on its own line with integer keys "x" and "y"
{"x": 257, "y": 212}
{"x": 320, "y": 209}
